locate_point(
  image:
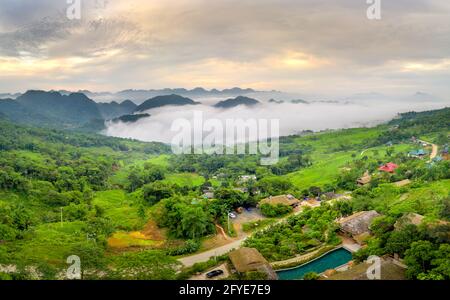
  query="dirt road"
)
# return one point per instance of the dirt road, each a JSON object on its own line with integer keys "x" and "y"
{"x": 434, "y": 149}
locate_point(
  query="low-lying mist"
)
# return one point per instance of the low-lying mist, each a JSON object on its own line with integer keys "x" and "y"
{"x": 293, "y": 118}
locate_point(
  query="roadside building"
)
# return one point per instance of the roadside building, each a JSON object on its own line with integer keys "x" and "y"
{"x": 250, "y": 260}
{"x": 288, "y": 200}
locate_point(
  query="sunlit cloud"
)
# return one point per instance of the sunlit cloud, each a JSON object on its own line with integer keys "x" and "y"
{"x": 299, "y": 46}
{"x": 428, "y": 66}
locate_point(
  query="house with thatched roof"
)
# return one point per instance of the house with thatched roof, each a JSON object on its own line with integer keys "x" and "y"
{"x": 365, "y": 179}
{"x": 357, "y": 225}
{"x": 408, "y": 219}
{"x": 250, "y": 260}
{"x": 287, "y": 200}
{"x": 389, "y": 270}
{"x": 311, "y": 203}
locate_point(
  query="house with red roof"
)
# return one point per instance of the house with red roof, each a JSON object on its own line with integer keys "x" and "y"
{"x": 389, "y": 167}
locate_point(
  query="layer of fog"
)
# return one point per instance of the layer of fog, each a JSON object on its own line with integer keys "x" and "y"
{"x": 293, "y": 118}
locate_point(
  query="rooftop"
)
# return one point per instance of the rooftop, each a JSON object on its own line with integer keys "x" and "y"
{"x": 249, "y": 259}
{"x": 281, "y": 199}
{"x": 358, "y": 223}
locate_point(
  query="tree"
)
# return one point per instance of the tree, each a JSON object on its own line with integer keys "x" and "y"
{"x": 399, "y": 241}
{"x": 381, "y": 225}
{"x": 195, "y": 222}
{"x": 278, "y": 210}
{"x": 311, "y": 276}
{"x": 231, "y": 198}
{"x": 155, "y": 192}
{"x": 418, "y": 258}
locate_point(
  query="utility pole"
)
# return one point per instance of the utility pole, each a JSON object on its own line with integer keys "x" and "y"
{"x": 228, "y": 217}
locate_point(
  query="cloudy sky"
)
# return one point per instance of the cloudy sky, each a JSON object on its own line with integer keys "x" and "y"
{"x": 310, "y": 46}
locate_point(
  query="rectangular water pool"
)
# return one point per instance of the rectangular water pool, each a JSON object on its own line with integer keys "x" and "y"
{"x": 330, "y": 260}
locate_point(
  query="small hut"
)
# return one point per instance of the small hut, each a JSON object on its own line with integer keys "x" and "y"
{"x": 365, "y": 179}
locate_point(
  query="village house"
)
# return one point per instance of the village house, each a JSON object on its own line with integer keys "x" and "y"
{"x": 250, "y": 260}
{"x": 389, "y": 167}
{"x": 245, "y": 178}
{"x": 288, "y": 200}
{"x": 208, "y": 195}
{"x": 420, "y": 153}
{"x": 365, "y": 179}
{"x": 407, "y": 219}
{"x": 357, "y": 225}
{"x": 444, "y": 153}
{"x": 310, "y": 203}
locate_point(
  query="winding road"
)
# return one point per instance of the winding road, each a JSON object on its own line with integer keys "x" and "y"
{"x": 189, "y": 261}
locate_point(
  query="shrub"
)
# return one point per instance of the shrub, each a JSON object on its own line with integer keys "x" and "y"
{"x": 272, "y": 211}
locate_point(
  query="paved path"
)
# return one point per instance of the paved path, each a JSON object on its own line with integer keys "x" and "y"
{"x": 189, "y": 261}
{"x": 296, "y": 259}
{"x": 205, "y": 256}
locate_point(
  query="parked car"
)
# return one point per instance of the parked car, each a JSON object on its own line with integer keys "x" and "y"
{"x": 232, "y": 215}
{"x": 214, "y": 273}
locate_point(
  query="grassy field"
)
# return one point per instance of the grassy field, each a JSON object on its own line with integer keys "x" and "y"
{"x": 185, "y": 179}
{"x": 328, "y": 162}
{"x": 51, "y": 242}
{"x": 119, "y": 208}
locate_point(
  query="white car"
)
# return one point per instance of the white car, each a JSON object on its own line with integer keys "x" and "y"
{"x": 232, "y": 215}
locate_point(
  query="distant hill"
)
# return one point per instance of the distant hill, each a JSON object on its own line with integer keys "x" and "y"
{"x": 75, "y": 108}
{"x": 161, "y": 101}
{"x": 276, "y": 101}
{"x": 240, "y": 100}
{"x": 139, "y": 96}
{"x": 130, "y": 118}
{"x": 113, "y": 110}
{"x": 15, "y": 112}
{"x": 299, "y": 101}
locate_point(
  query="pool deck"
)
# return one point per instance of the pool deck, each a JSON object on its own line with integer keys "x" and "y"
{"x": 347, "y": 243}
{"x": 300, "y": 259}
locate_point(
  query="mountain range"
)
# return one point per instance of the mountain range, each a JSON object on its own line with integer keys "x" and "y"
{"x": 139, "y": 96}
{"x": 77, "y": 111}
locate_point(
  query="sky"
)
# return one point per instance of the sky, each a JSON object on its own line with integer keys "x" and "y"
{"x": 305, "y": 46}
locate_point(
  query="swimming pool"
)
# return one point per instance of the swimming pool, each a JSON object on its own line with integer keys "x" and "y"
{"x": 331, "y": 260}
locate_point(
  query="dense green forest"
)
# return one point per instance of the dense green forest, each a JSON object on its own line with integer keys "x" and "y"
{"x": 129, "y": 209}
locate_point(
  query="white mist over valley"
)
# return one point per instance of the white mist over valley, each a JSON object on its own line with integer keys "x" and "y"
{"x": 355, "y": 111}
